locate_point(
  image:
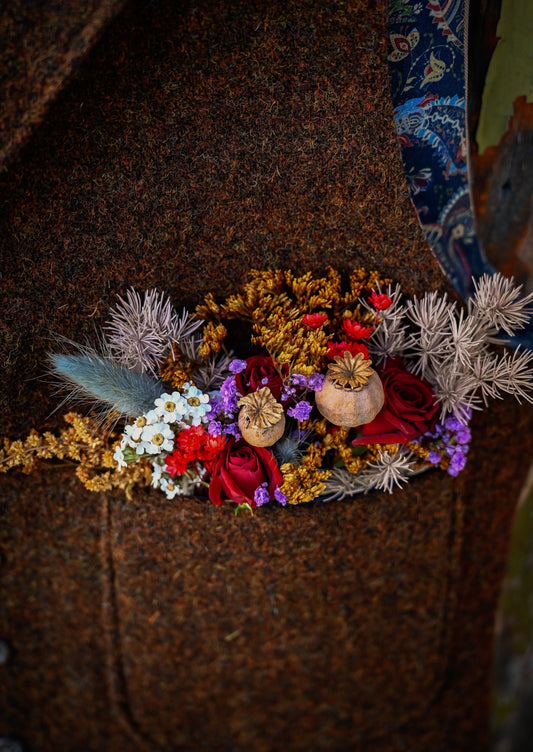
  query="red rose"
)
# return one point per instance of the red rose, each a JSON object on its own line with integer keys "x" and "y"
{"x": 239, "y": 470}
{"x": 260, "y": 371}
{"x": 410, "y": 408}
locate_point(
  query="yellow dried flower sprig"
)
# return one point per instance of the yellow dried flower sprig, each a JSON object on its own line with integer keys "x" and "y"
{"x": 80, "y": 443}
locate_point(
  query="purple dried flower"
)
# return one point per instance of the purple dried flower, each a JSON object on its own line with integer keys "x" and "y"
{"x": 237, "y": 366}
{"x": 228, "y": 391}
{"x": 434, "y": 458}
{"x": 463, "y": 435}
{"x": 280, "y": 497}
{"x": 261, "y": 495}
{"x": 316, "y": 381}
{"x": 452, "y": 423}
{"x": 300, "y": 411}
{"x": 298, "y": 379}
{"x": 214, "y": 428}
{"x": 457, "y": 464}
{"x": 288, "y": 392}
{"x": 232, "y": 429}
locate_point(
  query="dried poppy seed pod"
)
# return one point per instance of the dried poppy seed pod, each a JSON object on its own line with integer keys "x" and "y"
{"x": 261, "y": 419}
{"x": 352, "y": 394}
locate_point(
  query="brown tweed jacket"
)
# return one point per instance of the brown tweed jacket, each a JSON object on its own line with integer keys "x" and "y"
{"x": 178, "y": 145}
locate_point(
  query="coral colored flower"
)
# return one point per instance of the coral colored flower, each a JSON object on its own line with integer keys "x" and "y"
{"x": 380, "y": 301}
{"x": 339, "y": 348}
{"x": 314, "y": 320}
{"x": 354, "y": 330}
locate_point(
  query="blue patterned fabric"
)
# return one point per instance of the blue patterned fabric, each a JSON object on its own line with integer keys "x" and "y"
{"x": 426, "y": 56}
{"x": 427, "y": 72}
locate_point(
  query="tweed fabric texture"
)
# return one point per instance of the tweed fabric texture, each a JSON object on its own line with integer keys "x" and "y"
{"x": 197, "y": 141}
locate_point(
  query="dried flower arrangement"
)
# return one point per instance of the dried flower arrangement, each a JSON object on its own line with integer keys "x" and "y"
{"x": 347, "y": 387}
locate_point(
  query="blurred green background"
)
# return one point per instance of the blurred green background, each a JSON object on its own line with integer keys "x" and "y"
{"x": 512, "y": 699}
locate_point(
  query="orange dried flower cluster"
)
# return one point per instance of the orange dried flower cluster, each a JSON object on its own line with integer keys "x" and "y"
{"x": 275, "y": 302}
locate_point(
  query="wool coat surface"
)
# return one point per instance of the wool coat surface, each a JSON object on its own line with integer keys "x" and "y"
{"x": 179, "y": 145}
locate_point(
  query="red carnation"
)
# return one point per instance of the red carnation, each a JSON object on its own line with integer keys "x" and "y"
{"x": 314, "y": 320}
{"x": 380, "y": 301}
{"x": 193, "y": 444}
{"x": 354, "y": 330}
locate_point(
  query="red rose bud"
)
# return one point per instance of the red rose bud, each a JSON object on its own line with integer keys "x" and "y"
{"x": 260, "y": 371}
{"x": 239, "y": 470}
{"x": 410, "y": 408}
{"x": 354, "y": 330}
{"x": 380, "y": 301}
{"x": 314, "y": 320}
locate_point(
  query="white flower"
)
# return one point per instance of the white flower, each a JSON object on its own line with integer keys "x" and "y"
{"x": 157, "y": 470}
{"x": 157, "y": 438}
{"x": 197, "y": 404}
{"x": 170, "y": 407}
{"x": 119, "y": 457}
{"x": 133, "y": 432}
{"x": 170, "y": 486}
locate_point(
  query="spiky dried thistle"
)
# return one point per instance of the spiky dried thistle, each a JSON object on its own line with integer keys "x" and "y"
{"x": 140, "y": 331}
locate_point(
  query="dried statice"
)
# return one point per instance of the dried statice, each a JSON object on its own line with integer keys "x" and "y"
{"x": 140, "y": 331}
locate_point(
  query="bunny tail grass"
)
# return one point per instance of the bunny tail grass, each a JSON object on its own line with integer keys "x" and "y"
{"x": 98, "y": 380}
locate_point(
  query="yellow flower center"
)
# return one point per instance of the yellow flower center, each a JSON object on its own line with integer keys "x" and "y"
{"x": 193, "y": 401}
{"x": 158, "y": 439}
{"x": 170, "y": 406}
{"x": 140, "y": 422}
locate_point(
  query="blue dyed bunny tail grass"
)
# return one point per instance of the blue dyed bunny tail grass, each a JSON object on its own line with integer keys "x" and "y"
{"x": 100, "y": 382}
